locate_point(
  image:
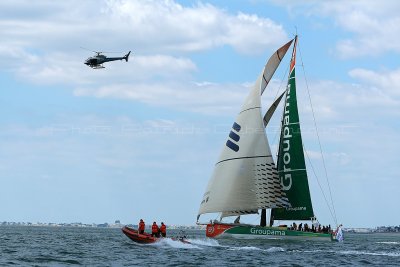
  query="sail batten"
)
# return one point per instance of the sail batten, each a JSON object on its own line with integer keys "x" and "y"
{"x": 265, "y": 156}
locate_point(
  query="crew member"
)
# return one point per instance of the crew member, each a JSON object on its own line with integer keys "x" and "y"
{"x": 163, "y": 230}
{"x": 155, "y": 231}
{"x": 141, "y": 226}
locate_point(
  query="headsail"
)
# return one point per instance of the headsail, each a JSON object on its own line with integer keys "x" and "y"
{"x": 271, "y": 110}
{"x": 245, "y": 178}
{"x": 291, "y": 163}
{"x": 272, "y": 64}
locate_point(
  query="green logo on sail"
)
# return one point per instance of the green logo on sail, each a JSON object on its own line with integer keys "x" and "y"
{"x": 286, "y": 179}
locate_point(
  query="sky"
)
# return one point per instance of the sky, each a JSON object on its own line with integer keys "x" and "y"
{"x": 140, "y": 139}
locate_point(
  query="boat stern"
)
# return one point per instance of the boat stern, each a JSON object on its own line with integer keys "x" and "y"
{"x": 216, "y": 230}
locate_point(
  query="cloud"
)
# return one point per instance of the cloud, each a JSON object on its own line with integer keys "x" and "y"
{"x": 173, "y": 27}
{"x": 374, "y": 24}
{"x": 371, "y": 90}
{"x": 149, "y": 26}
{"x": 386, "y": 81}
{"x": 73, "y": 161}
{"x": 376, "y": 92}
{"x": 41, "y": 44}
{"x": 375, "y": 28}
{"x": 59, "y": 68}
{"x": 205, "y": 98}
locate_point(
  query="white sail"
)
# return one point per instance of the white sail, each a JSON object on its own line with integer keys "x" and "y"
{"x": 272, "y": 64}
{"x": 272, "y": 108}
{"x": 245, "y": 178}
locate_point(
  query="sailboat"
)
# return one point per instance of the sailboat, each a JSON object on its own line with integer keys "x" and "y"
{"x": 246, "y": 179}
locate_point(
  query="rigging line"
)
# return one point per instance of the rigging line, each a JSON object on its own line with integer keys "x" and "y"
{"x": 319, "y": 184}
{"x": 282, "y": 80}
{"x": 316, "y": 130}
{"x": 276, "y": 96}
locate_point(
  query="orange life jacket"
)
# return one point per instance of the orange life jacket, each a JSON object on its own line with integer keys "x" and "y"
{"x": 141, "y": 226}
{"x": 163, "y": 229}
{"x": 154, "y": 228}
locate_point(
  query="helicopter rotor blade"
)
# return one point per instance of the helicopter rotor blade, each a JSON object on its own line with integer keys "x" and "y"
{"x": 113, "y": 52}
{"x": 90, "y": 50}
{"x": 98, "y": 53}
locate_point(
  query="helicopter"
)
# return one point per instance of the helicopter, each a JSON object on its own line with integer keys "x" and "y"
{"x": 96, "y": 62}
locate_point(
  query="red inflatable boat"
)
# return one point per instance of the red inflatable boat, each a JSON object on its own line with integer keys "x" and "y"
{"x": 134, "y": 235}
{"x": 146, "y": 238}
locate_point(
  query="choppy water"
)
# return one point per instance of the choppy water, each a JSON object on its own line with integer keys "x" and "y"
{"x": 49, "y": 246}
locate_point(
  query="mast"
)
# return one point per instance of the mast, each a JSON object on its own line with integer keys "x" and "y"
{"x": 291, "y": 164}
{"x": 263, "y": 221}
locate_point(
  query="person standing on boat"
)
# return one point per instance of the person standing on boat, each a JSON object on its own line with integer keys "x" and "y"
{"x": 141, "y": 226}
{"x": 339, "y": 233}
{"x": 300, "y": 227}
{"x": 163, "y": 230}
{"x": 155, "y": 231}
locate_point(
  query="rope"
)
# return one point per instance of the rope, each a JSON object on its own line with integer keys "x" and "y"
{"x": 276, "y": 96}
{"x": 319, "y": 184}
{"x": 319, "y": 141}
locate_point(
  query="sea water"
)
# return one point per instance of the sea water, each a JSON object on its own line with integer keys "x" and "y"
{"x": 64, "y": 246}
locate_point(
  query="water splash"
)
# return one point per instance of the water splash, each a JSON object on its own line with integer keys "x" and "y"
{"x": 271, "y": 249}
{"x": 174, "y": 244}
{"x": 275, "y": 249}
{"x": 205, "y": 242}
{"x": 245, "y": 248}
{"x": 353, "y": 252}
{"x": 389, "y": 242}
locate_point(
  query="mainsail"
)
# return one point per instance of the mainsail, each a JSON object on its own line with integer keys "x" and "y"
{"x": 291, "y": 163}
{"x": 245, "y": 178}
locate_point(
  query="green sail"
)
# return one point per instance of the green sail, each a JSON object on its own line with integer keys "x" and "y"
{"x": 291, "y": 164}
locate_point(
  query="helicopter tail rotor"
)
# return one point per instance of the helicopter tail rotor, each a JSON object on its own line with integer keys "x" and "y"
{"x": 127, "y": 56}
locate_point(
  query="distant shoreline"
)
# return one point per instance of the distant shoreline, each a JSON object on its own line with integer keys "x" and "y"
{"x": 117, "y": 225}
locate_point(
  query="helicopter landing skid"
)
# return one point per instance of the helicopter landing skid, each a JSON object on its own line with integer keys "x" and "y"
{"x": 98, "y": 67}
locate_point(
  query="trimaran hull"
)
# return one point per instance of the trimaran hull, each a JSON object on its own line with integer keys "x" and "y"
{"x": 243, "y": 231}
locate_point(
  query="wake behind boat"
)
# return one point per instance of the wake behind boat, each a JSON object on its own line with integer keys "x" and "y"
{"x": 146, "y": 238}
{"x": 246, "y": 179}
